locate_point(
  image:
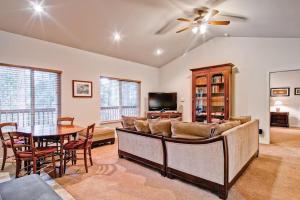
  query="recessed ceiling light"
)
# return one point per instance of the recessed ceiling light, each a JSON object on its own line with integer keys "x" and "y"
{"x": 37, "y": 7}
{"x": 116, "y": 36}
{"x": 158, "y": 52}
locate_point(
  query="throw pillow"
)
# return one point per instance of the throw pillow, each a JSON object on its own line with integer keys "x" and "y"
{"x": 128, "y": 121}
{"x": 242, "y": 119}
{"x": 160, "y": 127}
{"x": 142, "y": 126}
{"x": 220, "y": 128}
{"x": 191, "y": 130}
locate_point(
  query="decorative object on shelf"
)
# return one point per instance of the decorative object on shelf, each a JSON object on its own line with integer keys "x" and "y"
{"x": 82, "y": 88}
{"x": 297, "y": 91}
{"x": 278, "y": 104}
{"x": 280, "y": 92}
{"x": 211, "y": 88}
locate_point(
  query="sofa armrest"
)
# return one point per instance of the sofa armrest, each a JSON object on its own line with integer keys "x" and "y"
{"x": 242, "y": 146}
{"x": 142, "y": 145}
{"x": 201, "y": 158}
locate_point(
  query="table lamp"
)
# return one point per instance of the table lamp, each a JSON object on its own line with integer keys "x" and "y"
{"x": 278, "y": 104}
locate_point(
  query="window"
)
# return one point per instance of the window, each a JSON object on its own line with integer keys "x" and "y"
{"x": 119, "y": 97}
{"x": 29, "y": 96}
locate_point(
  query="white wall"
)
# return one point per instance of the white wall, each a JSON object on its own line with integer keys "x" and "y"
{"x": 254, "y": 58}
{"x": 291, "y": 103}
{"x": 76, "y": 65}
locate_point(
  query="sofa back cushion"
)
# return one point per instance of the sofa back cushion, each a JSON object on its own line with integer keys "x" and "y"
{"x": 142, "y": 126}
{"x": 242, "y": 119}
{"x": 160, "y": 127}
{"x": 128, "y": 121}
{"x": 191, "y": 130}
{"x": 220, "y": 128}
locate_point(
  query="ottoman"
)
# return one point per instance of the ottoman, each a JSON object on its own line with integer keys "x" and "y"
{"x": 103, "y": 135}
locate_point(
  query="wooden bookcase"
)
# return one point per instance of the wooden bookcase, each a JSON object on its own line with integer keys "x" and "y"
{"x": 211, "y": 90}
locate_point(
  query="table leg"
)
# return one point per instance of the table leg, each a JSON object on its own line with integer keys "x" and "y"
{"x": 61, "y": 155}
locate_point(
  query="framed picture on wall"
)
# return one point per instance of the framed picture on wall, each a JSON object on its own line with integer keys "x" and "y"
{"x": 297, "y": 91}
{"x": 280, "y": 92}
{"x": 82, "y": 89}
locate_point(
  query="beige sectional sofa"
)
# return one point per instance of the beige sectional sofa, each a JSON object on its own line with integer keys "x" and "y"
{"x": 214, "y": 164}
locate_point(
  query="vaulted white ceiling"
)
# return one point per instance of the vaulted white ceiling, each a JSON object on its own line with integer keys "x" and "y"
{"x": 89, "y": 24}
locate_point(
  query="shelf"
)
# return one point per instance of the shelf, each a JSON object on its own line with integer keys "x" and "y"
{"x": 217, "y": 83}
{"x": 201, "y": 85}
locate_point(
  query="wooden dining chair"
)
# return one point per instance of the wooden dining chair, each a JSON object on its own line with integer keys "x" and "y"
{"x": 5, "y": 140}
{"x": 27, "y": 152}
{"x": 84, "y": 144}
{"x": 65, "y": 120}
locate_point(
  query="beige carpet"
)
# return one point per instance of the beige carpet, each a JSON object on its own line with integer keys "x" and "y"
{"x": 274, "y": 175}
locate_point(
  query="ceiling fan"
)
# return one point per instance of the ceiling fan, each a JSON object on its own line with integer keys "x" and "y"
{"x": 202, "y": 17}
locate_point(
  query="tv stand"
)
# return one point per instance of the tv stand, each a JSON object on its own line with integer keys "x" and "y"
{"x": 164, "y": 115}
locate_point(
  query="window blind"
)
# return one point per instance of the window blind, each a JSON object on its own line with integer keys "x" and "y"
{"x": 118, "y": 97}
{"x": 29, "y": 96}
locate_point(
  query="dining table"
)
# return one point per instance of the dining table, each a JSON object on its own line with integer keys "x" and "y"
{"x": 61, "y": 132}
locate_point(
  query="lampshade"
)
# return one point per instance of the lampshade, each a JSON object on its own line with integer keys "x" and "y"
{"x": 278, "y": 103}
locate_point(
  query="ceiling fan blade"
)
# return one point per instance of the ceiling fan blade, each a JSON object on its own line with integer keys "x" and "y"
{"x": 184, "y": 19}
{"x": 198, "y": 18}
{"x": 183, "y": 29}
{"x": 234, "y": 17}
{"x": 218, "y": 22}
{"x": 213, "y": 12}
{"x": 171, "y": 24}
{"x": 201, "y": 10}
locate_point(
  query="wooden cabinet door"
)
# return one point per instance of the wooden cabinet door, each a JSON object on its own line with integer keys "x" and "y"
{"x": 200, "y": 96}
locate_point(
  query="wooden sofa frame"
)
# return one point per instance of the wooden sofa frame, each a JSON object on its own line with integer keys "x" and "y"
{"x": 220, "y": 190}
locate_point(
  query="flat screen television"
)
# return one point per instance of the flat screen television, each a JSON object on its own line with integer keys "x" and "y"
{"x": 162, "y": 101}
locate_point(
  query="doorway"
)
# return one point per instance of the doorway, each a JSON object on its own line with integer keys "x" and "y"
{"x": 284, "y": 106}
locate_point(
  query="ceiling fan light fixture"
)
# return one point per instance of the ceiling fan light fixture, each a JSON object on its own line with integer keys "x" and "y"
{"x": 195, "y": 29}
{"x": 203, "y": 28}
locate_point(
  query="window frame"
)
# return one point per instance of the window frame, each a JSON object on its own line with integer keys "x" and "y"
{"x": 126, "y": 80}
{"x": 32, "y": 82}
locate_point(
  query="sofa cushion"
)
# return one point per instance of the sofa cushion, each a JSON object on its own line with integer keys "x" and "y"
{"x": 191, "y": 130}
{"x": 142, "y": 126}
{"x": 242, "y": 119}
{"x": 220, "y": 128}
{"x": 160, "y": 127}
{"x": 100, "y": 133}
{"x": 128, "y": 121}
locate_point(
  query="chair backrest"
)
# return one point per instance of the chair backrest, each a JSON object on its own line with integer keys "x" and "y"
{"x": 61, "y": 120}
{"x": 89, "y": 133}
{"x": 9, "y": 125}
{"x": 26, "y": 142}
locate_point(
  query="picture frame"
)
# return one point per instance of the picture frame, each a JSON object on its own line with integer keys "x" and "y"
{"x": 280, "y": 92}
{"x": 82, "y": 89}
{"x": 297, "y": 91}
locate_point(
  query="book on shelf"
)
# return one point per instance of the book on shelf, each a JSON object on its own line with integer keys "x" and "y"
{"x": 218, "y": 79}
{"x": 201, "y": 81}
